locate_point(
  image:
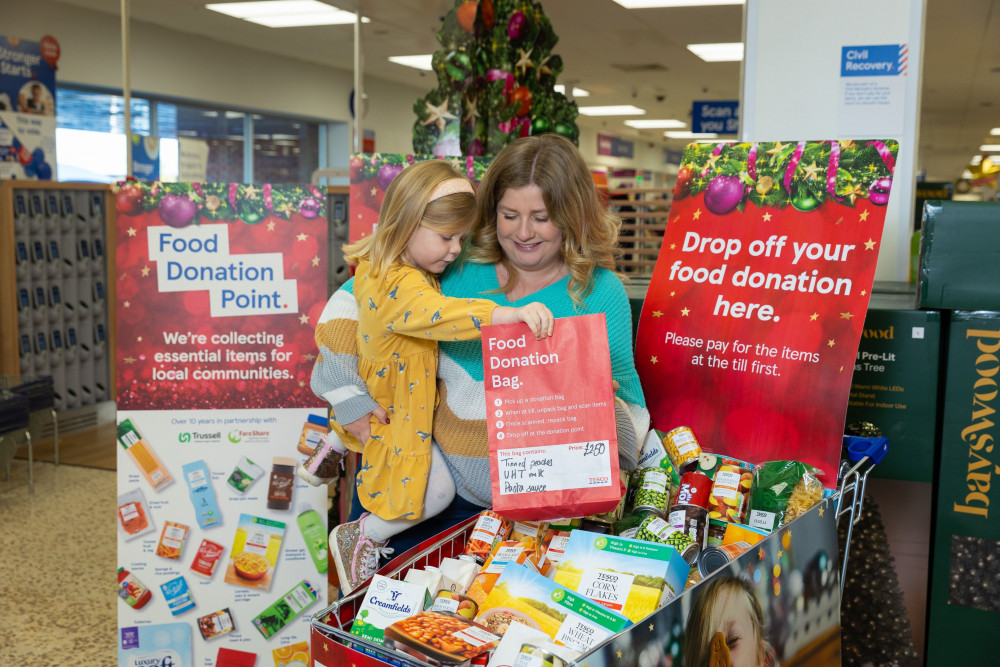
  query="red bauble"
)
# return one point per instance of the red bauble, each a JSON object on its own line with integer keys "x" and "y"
{"x": 521, "y": 96}
{"x": 128, "y": 201}
{"x": 357, "y": 169}
{"x": 684, "y": 177}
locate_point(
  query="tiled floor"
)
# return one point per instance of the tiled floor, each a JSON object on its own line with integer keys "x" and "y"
{"x": 57, "y": 551}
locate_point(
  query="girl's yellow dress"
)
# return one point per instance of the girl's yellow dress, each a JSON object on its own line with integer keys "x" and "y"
{"x": 401, "y": 316}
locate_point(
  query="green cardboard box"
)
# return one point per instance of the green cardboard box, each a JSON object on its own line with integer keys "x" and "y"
{"x": 958, "y": 255}
{"x": 964, "y": 606}
{"x": 895, "y": 386}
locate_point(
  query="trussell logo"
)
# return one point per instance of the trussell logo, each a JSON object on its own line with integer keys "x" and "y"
{"x": 196, "y": 436}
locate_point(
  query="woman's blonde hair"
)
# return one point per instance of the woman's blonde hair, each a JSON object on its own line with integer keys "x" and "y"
{"x": 553, "y": 163}
{"x": 705, "y": 620}
{"x": 406, "y": 207}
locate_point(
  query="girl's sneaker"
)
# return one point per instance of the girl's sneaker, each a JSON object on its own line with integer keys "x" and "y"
{"x": 355, "y": 554}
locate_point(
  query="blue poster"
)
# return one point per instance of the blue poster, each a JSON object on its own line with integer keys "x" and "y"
{"x": 28, "y": 108}
{"x": 146, "y": 157}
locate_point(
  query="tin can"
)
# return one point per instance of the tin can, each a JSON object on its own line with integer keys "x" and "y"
{"x": 692, "y": 520}
{"x": 730, "y": 497}
{"x": 695, "y": 489}
{"x": 598, "y": 523}
{"x": 489, "y": 528}
{"x": 652, "y": 492}
{"x": 655, "y": 529}
{"x": 712, "y": 558}
{"x": 531, "y": 655}
{"x": 681, "y": 446}
{"x": 716, "y": 531}
{"x": 455, "y": 603}
{"x": 629, "y": 525}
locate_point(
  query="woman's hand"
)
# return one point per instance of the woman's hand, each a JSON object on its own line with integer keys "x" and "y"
{"x": 361, "y": 428}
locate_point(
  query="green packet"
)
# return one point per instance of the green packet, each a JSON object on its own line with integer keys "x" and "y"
{"x": 773, "y": 483}
{"x": 285, "y": 609}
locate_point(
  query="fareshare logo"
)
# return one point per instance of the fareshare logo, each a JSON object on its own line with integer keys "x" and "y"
{"x": 235, "y": 436}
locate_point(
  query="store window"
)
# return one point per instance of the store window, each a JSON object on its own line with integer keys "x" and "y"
{"x": 195, "y": 143}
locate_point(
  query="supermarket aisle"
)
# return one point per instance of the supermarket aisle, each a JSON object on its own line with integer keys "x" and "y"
{"x": 57, "y": 555}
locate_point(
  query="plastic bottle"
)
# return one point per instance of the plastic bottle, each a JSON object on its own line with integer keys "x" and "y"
{"x": 131, "y": 590}
{"x": 314, "y": 534}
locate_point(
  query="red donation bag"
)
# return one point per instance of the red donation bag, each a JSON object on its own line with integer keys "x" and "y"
{"x": 550, "y": 416}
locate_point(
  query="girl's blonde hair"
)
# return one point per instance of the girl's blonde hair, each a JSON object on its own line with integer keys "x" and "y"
{"x": 406, "y": 207}
{"x": 705, "y": 619}
{"x": 553, "y": 163}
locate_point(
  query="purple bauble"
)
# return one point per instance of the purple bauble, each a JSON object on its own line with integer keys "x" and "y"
{"x": 515, "y": 28}
{"x": 309, "y": 208}
{"x": 177, "y": 210}
{"x": 386, "y": 173}
{"x": 723, "y": 194}
{"x": 878, "y": 192}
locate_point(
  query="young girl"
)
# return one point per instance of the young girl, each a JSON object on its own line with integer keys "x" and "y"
{"x": 726, "y": 626}
{"x": 427, "y": 212}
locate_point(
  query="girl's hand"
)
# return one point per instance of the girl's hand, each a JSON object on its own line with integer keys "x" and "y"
{"x": 361, "y": 428}
{"x": 538, "y": 318}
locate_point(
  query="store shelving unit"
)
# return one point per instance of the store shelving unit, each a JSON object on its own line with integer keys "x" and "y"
{"x": 643, "y": 212}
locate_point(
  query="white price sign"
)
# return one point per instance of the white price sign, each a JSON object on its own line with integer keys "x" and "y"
{"x": 554, "y": 467}
{"x": 580, "y": 634}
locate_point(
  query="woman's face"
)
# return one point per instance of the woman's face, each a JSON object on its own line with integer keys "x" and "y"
{"x": 528, "y": 237}
{"x": 736, "y": 624}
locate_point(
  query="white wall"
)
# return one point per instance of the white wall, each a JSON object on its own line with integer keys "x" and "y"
{"x": 178, "y": 65}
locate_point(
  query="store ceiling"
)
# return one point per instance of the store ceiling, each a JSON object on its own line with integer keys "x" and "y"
{"x": 598, "y": 38}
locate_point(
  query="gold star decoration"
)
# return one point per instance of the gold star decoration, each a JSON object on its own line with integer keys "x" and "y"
{"x": 138, "y": 339}
{"x": 304, "y": 319}
{"x": 847, "y": 143}
{"x": 302, "y": 384}
{"x": 650, "y": 627}
{"x": 822, "y": 509}
{"x": 653, "y": 360}
{"x": 673, "y": 246}
{"x": 869, "y": 244}
{"x": 830, "y": 343}
{"x": 696, "y": 214}
{"x": 685, "y": 311}
{"x": 192, "y": 196}
{"x": 145, "y": 271}
{"x": 374, "y": 191}
{"x": 131, "y": 231}
{"x": 864, "y": 292}
{"x": 251, "y": 192}
{"x": 839, "y": 220}
{"x": 657, "y": 313}
{"x": 524, "y": 61}
{"x": 308, "y": 357}
{"x": 854, "y": 193}
{"x": 542, "y": 68}
{"x": 127, "y": 304}
{"x": 760, "y": 553}
{"x": 767, "y": 217}
{"x": 315, "y": 260}
{"x": 301, "y": 237}
{"x": 872, "y": 168}
{"x": 129, "y": 360}
{"x": 780, "y": 553}
{"x": 673, "y": 293}
{"x": 712, "y": 160}
{"x": 863, "y": 216}
{"x": 812, "y": 171}
{"x": 812, "y": 318}
{"x": 778, "y": 147}
{"x": 619, "y": 655}
{"x": 471, "y": 110}
{"x": 270, "y": 226}
{"x": 846, "y": 316}
{"x": 439, "y": 115}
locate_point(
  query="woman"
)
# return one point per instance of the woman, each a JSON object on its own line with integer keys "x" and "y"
{"x": 542, "y": 235}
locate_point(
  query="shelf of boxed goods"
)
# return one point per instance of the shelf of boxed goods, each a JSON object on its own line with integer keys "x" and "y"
{"x": 644, "y": 213}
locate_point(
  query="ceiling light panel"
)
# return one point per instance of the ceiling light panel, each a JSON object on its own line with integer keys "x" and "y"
{"x": 577, "y": 92}
{"x": 718, "y": 53}
{"x": 690, "y": 135}
{"x": 285, "y": 13}
{"x": 419, "y": 62}
{"x": 654, "y": 4}
{"x": 651, "y": 124}
{"x": 615, "y": 110}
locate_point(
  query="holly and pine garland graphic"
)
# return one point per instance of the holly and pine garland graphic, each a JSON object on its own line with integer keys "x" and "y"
{"x": 496, "y": 76}
{"x": 755, "y": 308}
{"x": 289, "y": 220}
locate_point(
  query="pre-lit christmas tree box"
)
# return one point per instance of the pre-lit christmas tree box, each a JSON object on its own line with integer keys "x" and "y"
{"x": 965, "y": 580}
{"x": 895, "y": 387}
{"x": 958, "y": 255}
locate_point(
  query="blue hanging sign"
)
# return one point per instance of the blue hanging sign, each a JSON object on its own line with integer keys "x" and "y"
{"x": 720, "y": 117}
{"x": 879, "y": 60}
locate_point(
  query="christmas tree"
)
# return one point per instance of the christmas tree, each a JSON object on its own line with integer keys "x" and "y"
{"x": 496, "y": 75}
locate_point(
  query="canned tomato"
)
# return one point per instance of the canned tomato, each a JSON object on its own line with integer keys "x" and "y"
{"x": 652, "y": 492}
{"x": 712, "y": 558}
{"x": 681, "y": 446}
{"x": 531, "y": 655}
{"x": 655, "y": 529}
{"x": 489, "y": 528}
{"x": 691, "y": 520}
{"x": 695, "y": 489}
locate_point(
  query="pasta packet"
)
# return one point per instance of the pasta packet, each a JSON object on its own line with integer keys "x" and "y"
{"x": 771, "y": 497}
